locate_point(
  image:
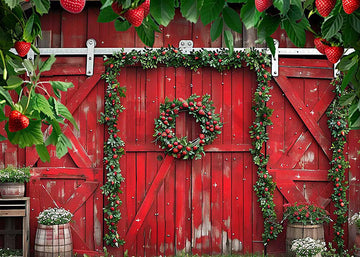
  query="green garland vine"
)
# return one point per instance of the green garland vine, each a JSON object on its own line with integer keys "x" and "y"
{"x": 172, "y": 57}
{"x": 338, "y": 126}
{"x": 203, "y": 112}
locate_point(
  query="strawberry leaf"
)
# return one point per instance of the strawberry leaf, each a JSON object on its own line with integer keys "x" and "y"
{"x": 146, "y": 32}
{"x": 232, "y": 19}
{"x": 63, "y": 111}
{"x": 121, "y": 25}
{"x": 163, "y": 11}
{"x": 296, "y": 31}
{"x": 249, "y": 14}
{"x": 32, "y": 135}
{"x": 46, "y": 66}
{"x": 210, "y": 10}
{"x": 62, "y": 145}
{"x": 42, "y": 105}
{"x": 42, "y": 6}
{"x": 43, "y": 152}
{"x": 355, "y": 22}
{"x": 13, "y": 82}
{"x": 216, "y": 28}
{"x": 331, "y": 26}
{"x": 229, "y": 40}
{"x": 190, "y": 10}
{"x": 4, "y": 95}
{"x": 12, "y": 3}
{"x": 107, "y": 15}
{"x": 282, "y": 5}
{"x": 60, "y": 85}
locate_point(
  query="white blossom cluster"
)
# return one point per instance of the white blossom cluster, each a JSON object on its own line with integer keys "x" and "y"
{"x": 14, "y": 175}
{"x": 355, "y": 219}
{"x": 307, "y": 247}
{"x": 54, "y": 216}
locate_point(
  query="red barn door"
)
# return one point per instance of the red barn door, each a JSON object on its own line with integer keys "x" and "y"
{"x": 74, "y": 181}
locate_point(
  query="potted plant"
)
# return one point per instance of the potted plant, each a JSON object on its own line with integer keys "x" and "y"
{"x": 355, "y": 220}
{"x": 304, "y": 220}
{"x": 308, "y": 247}
{"x": 12, "y": 181}
{"x": 53, "y": 235}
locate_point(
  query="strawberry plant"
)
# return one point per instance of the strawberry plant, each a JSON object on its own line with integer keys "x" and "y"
{"x": 34, "y": 109}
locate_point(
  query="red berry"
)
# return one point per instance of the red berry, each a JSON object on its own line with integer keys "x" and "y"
{"x": 195, "y": 148}
{"x": 175, "y": 150}
{"x": 350, "y": 5}
{"x": 201, "y": 112}
{"x": 17, "y": 121}
{"x": 135, "y": 16}
{"x": 188, "y": 148}
{"x": 22, "y": 48}
{"x": 325, "y": 6}
{"x": 146, "y": 6}
{"x": 201, "y": 136}
{"x": 170, "y": 145}
{"x": 262, "y": 5}
{"x": 73, "y": 6}
{"x": 321, "y": 44}
{"x": 180, "y": 147}
{"x": 334, "y": 53}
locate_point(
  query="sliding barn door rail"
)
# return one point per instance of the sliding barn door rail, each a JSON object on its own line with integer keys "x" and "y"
{"x": 186, "y": 46}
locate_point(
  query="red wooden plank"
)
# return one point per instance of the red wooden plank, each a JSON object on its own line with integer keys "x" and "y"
{"x": 196, "y": 206}
{"x": 306, "y": 116}
{"x": 227, "y": 206}
{"x": 249, "y": 219}
{"x": 148, "y": 201}
{"x": 80, "y": 196}
{"x": 237, "y": 93}
{"x": 172, "y": 33}
{"x": 300, "y": 174}
{"x": 78, "y": 153}
{"x": 206, "y": 206}
{"x": 140, "y": 195}
{"x": 305, "y": 72}
{"x": 73, "y": 36}
{"x": 227, "y": 108}
{"x": 303, "y": 63}
{"x": 290, "y": 191}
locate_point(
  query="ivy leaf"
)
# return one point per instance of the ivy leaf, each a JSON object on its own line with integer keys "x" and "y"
{"x": 189, "y": 10}
{"x": 210, "y": 10}
{"x": 62, "y": 145}
{"x": 42, "y": 105}
{"x": 43, "y": 152}
{"x": 163, "y": 11}
{"x": 12, "y": 3}
{"x": 331, "y": 26}
{"x": 249, "y": 14}
{"x": 296, "y": 31}
{"x": 32, "y": 135}
{"x": 46, "y": 66}
{"x": 13, "y": 82}
{"x": 42, "y": 6}
{"x": 229, "y": 40}
{"x": 232, "y": 19}
{"x": 121, "y": 25}
{"x": 216, "y": 28}
{"x": 63, "y": 111}
{"x": 107, "y": 15}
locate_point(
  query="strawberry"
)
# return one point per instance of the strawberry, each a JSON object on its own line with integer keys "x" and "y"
{"x": 325, "y": 6}
{"x": 350, "y": 5}
{"x": 135, "y": 16}
{"x": 17, "y": 121}
{"x": 22, "y": 48}
{"x": 321, "y": 44}
{"x": 73, "y": 6}
{"x": 117, "y": 8}
{"x": 333, "y": 53}
{"x": 146, "y": 6}
{"x": 262, "y": 5}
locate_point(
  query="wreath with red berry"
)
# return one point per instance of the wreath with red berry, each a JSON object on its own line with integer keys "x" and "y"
{"x": 165, "y": 126}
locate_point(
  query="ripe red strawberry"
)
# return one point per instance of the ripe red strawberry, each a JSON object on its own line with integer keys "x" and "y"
{"x": 73, "y": 6}
{"x": 22, "y": 48}
{"x": 321, "y": 44}
{"x": 350, "y": 5}
{"x": 146, "y": 6}
{"x": 262, "y": 5}
{"x": 135, "y": 16}
{"x": 117, "y": 8}
{"x": 325, "y": 6}
{"x": 17, "y": 121}
{"x": 333, "y": 53}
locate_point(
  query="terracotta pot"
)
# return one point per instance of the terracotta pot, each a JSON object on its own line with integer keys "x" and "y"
{"x": 53, "y": 241}
{"x": 297, "y": 231}
{"x": 12, "y": 190}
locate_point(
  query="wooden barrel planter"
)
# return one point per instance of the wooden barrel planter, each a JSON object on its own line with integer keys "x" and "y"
{"x": 12, "y": 190}
{"x": 297, "y": 231}
{"x": 53, "y": 241}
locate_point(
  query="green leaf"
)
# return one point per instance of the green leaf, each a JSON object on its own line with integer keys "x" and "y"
{"x": 42, "y": 105}
{"x": 236, "y": 1}
{"x": 121, "y": 25}
{"x": 6, "y": 96}
{"x": 229, "y": 40}
{"x": 210, "y": 10}
{"x": 267, "y": 26}
{"x": 32, "y": 135}
{"x": 43, "y": 153}
{"x": 53, "y": 138}
{"x": 349, "y": 76}
{"x": 2, "y": 138}
{"x": 331, "y": 26}
{"x": 107, "y": 15}
{"x": 12, "y": 3}
{"x": 346, "y": 99}
{"x": 29, "y": 66}
{"x": 282, "y": 5}
{"x": 62, "y": 145}
{"x": 106, "y": 4}
{"x": 27, "y": 36}
{"x": 163, "y": 11}
{"x": 13, "y": 82}
{"x": 42, "y": 6}
{"x": 308, "y": 4}
{"x": 249, "y": 14}
{"x": 189, "y": 10}
{"x": 146, "y": 33}
{"x": 232, "y": 19}
{"x": 216, "y": 28}
{"x": 347, "y": 62}
{"x": 60, "y": 85}
{"x": 294, "y": 13}
{"x": 296, "y": 31}
{"x": 270, "y": 43}
{"x": 46, "y": 66}
{"x": 63, "y": 111}
{"x": 6, "y": 41}
{"x": 355, "y": 22}
{"x": 2, "y": 114}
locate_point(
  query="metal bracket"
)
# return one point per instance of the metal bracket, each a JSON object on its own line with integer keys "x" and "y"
{"x": 275, "y": 60}
{"x": 91, "y": 43}
{"x": 186, "y": 46}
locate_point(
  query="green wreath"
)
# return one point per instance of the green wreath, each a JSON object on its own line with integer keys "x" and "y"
{"x": 203, "y": 112}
